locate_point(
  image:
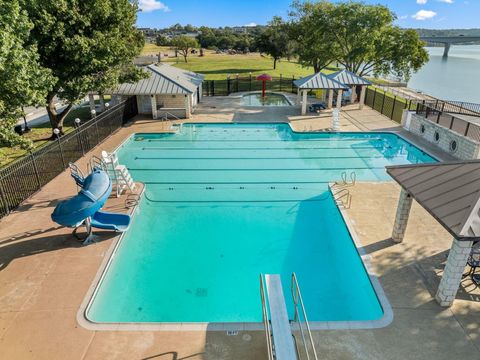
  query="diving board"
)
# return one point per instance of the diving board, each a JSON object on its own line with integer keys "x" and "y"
{"x": 281, "y": 331}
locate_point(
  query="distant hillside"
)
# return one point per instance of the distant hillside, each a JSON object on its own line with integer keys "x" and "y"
{"x": 448, "y": 32}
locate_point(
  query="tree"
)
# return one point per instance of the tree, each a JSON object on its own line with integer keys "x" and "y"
{"x": 274, "y": 39}
{"x": 22, "y": 80}
{"x": 362, "y": 38}
{"x": 184, "y": 44}
{"x": 87, "y": 45}
{"x": 162, "y": 40}
{"x": 312, "y": 40}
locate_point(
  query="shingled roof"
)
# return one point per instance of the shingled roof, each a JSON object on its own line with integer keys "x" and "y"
{"x": 450, "y": 192}
{"x": 319, "y": 81}
{"x": 162, "y": 79}
{"x": 348, "y": 78}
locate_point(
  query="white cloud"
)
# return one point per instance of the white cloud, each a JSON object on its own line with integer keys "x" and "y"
{"x": 402, "y": 17}
{"x": 152, "y": 5}
{"x": 422, "y": 2}
{"x": 446, "y": 1}
{"x": 424, "y": 15}
{"x": 251, "y": 24}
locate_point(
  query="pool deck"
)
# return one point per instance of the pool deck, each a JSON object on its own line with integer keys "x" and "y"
{"x": 45, "y": 273}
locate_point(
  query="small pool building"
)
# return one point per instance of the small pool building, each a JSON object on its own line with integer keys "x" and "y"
{"x": 166, "y": 93}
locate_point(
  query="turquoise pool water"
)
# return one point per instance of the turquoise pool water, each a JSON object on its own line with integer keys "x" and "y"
{"x": 224, "y": 203}
{"x": 270, "y": 99}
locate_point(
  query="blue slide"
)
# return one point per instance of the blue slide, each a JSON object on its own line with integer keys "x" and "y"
{"x": 85, "y": 206}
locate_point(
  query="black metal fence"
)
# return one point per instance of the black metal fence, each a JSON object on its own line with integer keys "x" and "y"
{"x": 24, "y": 177}
{"x": 449, "y": 115}
{"x": 238, "y": 84}
{"x": 388, "y": 104}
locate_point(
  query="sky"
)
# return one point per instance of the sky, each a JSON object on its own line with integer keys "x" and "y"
{"x": 431, "y": 14}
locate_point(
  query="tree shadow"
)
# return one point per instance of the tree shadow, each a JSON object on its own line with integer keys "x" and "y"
{"x": 231, "y": 71}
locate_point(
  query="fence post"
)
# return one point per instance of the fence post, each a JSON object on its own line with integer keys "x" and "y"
{"x": 250, "y": 82}
{"x": 293, "y": 85}
{"x": 393, "y": 107}
{"x": 228, "y": 85}
{"x": 79, "y": 139}
{"x": 213, "y": 87}
{"x": 451, "y": 123}
{"x": 468, "y": 128}
{"x": 35, "y": 169}
{"x": 280, "y": 82}
{"x": 383, "y": 102}
{"x": 57, "y": 133}
{"x": 374, "y": 97}
{"x": 4, "y": 198}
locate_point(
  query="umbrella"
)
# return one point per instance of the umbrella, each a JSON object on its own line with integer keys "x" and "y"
{"x": 264, "y": 78}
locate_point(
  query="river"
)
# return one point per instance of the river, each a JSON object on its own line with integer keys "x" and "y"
{"x": 454, "y": 78}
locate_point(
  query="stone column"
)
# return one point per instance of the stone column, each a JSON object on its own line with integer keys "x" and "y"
{"x": 304, "y": 102}
{"x": 362, "y": 97}
{"x": 401, "y": 219}
{"x": 153, "y": 100}
{"x": 330, "y": 99}
{"x": 339, "y": 99}
{"x": 91, "y": 101}
{"x": 452, "y": 274}
{"x": 353, "y": 96}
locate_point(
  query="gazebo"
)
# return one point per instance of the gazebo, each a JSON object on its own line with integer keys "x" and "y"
{"x": 353, "y": 81}
{"x": 450, "y": 192}
{"x": 318, "y": 81}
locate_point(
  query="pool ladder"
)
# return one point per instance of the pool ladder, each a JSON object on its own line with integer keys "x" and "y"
{"x": 340, "y": 192}
{"x": 286, "y": 340}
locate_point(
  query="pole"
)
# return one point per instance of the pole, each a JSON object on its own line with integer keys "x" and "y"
{"x": 57, "y": 133}
{"x": 264, "y": 85}
{"x": 35, "y": 169}
{"x": 4, "y": 199}
{"x": 280, "y": 82}
{"x": 393, "y": 107}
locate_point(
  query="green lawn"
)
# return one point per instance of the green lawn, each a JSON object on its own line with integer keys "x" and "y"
{"x": 40, "y": 135}
{"x": 218, "y": 66}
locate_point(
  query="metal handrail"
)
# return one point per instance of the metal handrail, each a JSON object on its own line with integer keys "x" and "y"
{"x": 342, "y": 193}
{"x": 266, "y": 322}
{"x": 166, "y": 113}
{"x": 297, "y": 300}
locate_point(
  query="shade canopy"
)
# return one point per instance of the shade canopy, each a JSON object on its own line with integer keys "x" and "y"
{"x": 348, "y": 78}
{"x": 319, "y": 81}
{"x": 264, "y": 77}
{"x": 449, "y": 191}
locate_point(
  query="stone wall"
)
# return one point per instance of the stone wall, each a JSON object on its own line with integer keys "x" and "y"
{"x": 449, "y": 141}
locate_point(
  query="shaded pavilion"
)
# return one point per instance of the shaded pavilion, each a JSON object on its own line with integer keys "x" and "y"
{"x": 318, "y": 81}
{"x": 353, "y": 81}
{"x": 450, "y": 192}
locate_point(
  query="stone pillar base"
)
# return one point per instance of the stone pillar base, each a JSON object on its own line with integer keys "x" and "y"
{"x": 401, "y": 219}
{"x": 453, "y": 272}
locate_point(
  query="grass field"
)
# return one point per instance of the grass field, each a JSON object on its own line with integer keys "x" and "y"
{"x": 40, "y": 135}
{"x": 218, "y": 66}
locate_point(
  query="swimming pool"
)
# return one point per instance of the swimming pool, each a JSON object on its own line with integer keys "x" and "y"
{"x": 226, "y": 202}
{"x": 270, "y": 99}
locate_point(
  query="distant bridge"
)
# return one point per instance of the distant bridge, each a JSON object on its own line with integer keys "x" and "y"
{"x": 449, "y": 40}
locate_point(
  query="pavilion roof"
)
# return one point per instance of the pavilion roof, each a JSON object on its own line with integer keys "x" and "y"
{"x": 348, "y": 78}
{"x": 319, "y": 81}
{"x": 449, "y": 191}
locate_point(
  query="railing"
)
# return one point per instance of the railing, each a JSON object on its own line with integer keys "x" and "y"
{"x": 249, "y": 83}
{"x": 342, "y": 197}
{"x": 453, "y": 116}
{"x": 166, "y": 114}
{"x": 266, "y": 321}
{"x": 305, "y": 332}
{"x": 24, "y": 177}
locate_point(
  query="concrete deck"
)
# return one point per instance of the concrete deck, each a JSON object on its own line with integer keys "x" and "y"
{"x": 45, "y": 274}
